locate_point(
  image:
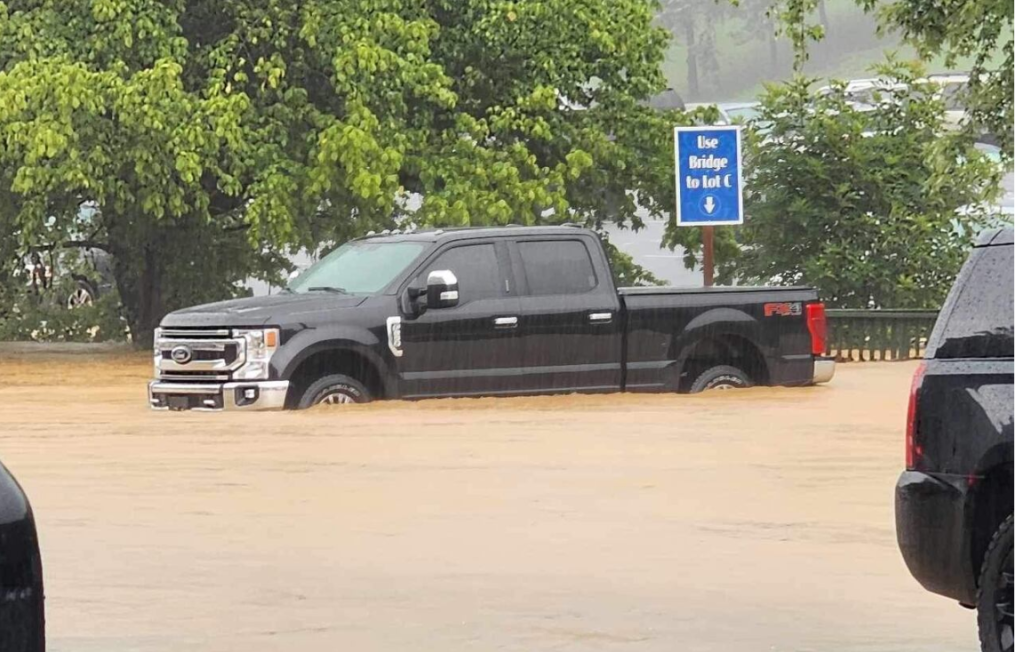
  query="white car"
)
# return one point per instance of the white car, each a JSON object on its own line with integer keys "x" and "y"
{"x": 865, "y": 94}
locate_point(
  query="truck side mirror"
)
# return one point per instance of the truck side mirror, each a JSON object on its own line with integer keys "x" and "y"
{"x": 442, "y": 289}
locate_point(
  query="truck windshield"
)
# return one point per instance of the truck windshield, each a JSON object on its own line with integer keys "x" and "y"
{"x": 363, "y": 267}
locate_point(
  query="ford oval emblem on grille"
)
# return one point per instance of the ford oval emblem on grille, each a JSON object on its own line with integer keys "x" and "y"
{"x": 181, "y": 354}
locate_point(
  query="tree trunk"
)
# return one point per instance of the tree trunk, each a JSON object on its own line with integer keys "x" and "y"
{"x": 139, "y": 286}
{"x": 692, "y": 81}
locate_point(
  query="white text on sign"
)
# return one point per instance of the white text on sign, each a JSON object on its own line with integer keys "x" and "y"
{"x": 708, "y": 162}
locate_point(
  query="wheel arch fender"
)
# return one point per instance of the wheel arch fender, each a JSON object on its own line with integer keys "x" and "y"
{"x": 990, "y": 499}
{"x": 996, "y": 457}
{"x": 720, "y": 323}
{"x": 304, "y": 345}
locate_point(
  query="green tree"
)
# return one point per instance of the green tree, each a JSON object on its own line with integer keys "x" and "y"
{"x": 210, "y": 134}
{"x": 868, "y": 206}
{"x": 980, "y": 31}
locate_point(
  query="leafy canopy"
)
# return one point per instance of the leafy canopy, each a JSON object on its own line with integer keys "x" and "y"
{"x": 980, "y": 31}
{"x": 209, "y": 133}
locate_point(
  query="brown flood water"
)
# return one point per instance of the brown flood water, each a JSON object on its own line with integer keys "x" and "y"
{"x": 732, "y": 521}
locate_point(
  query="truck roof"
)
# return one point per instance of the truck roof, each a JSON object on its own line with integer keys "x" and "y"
{"x": 1001, "y": 236}
{"x": 472, "y": 232}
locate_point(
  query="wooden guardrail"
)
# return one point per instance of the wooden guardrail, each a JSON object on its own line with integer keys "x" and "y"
{"x": 861, "y": 335}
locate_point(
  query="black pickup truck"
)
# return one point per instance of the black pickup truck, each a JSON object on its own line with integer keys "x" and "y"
{"x": 480, "y": 311}
{"x": 21, "y": 572}
{"x": 954, "y": 502}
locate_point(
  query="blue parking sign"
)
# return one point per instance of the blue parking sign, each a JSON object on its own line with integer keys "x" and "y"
{"x": 709, "y": 176}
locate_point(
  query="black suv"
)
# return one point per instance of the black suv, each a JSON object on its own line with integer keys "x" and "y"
{"x": 954, "y": 503}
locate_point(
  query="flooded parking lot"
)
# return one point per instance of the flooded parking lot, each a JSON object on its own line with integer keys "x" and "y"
{"x": 743, "y": 520}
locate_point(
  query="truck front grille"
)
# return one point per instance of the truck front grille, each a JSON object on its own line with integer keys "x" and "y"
{"x": 229, "y": 353}
{"x": 199, "y": 355}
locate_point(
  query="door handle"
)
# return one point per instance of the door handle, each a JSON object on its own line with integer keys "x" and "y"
{"x": 506, "y": 322}
{"x": 600, "y": 317}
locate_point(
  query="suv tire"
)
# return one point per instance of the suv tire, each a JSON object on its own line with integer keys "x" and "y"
{"x": 995, "y": 592}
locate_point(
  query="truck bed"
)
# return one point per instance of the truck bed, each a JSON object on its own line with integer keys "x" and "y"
{"x": 663, "y": 322}
{"x": 810, "y": 292}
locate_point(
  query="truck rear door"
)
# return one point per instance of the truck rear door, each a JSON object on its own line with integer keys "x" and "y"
{"x": 570, "y": 319}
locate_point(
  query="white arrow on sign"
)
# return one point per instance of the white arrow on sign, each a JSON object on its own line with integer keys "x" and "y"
{"x": 709, "y": 205}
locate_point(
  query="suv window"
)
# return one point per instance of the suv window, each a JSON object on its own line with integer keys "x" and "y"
{"x": 557, "y": 267}
{"x": 980, "y": 324}
{"x": 476, "y": 267}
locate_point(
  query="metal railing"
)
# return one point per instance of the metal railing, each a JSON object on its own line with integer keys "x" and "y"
{"x": 862, "y": 335}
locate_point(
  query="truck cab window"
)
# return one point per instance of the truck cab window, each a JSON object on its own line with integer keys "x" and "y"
{"x": 557, "y": 267}
{"x": 476, "y": 267}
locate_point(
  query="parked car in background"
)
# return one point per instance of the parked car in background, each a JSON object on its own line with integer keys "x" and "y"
{"x": 94, "y": 281}
{"x": 954, "y": 501}
{"x": 865, "y": 94}
{"x": 953, "y": 91}
{"x": 22, "y": 621}
{"x": 729, "y": 113}
{"x": 484, "y": 311}
{"x": 72, "y": 278}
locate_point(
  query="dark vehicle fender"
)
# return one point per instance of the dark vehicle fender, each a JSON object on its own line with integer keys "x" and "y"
{"x": 22, "y": 620}
{"x": 718, "y": 323}
{"x": 306, "y": 344}
{"x": 1000, "y": 455}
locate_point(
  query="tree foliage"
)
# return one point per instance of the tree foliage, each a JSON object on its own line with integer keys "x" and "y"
{"x": 868, "y": 206}
{"x": 977, "y": 30}
{"x": 209, "y": 134}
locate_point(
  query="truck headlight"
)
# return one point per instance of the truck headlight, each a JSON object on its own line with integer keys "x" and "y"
{"x": 260, "y": 346}
{"x": 157, "y": 353}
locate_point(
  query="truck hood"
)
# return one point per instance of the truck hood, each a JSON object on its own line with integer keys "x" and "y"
{"x": 257, "y": 311}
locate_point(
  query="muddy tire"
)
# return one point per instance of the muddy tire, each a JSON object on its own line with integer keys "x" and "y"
{"x": 333, "y": 390}
{"x": 995, "y": 592}
{"x": 720, "y": 377}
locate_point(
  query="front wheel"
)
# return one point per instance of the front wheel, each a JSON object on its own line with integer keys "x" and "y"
{"x": 336, "y": 389}
{"x": 720, "y": 377}
{"x": 82, "y": 295}
{"x": 995, "y": 592}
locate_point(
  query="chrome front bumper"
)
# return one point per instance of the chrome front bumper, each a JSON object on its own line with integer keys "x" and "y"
{"x": 258, "y": 395}
{"x": 824, "y": 370}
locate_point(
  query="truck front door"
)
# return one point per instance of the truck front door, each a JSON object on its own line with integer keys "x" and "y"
{"x": 469, "y": 349}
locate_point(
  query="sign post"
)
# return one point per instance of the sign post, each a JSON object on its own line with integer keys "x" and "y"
{"x": 709, "y": 183}
{"x": 709, "y": 255}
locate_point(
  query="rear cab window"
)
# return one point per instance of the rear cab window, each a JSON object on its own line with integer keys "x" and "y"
{"x": 977, "y": 320}
{"x": 557, "y": 267}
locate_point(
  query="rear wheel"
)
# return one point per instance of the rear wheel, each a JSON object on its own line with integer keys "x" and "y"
{"x": 336, "y": 389}
{"x": 995, "y": 592}
{"x": 720, "y": 377}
